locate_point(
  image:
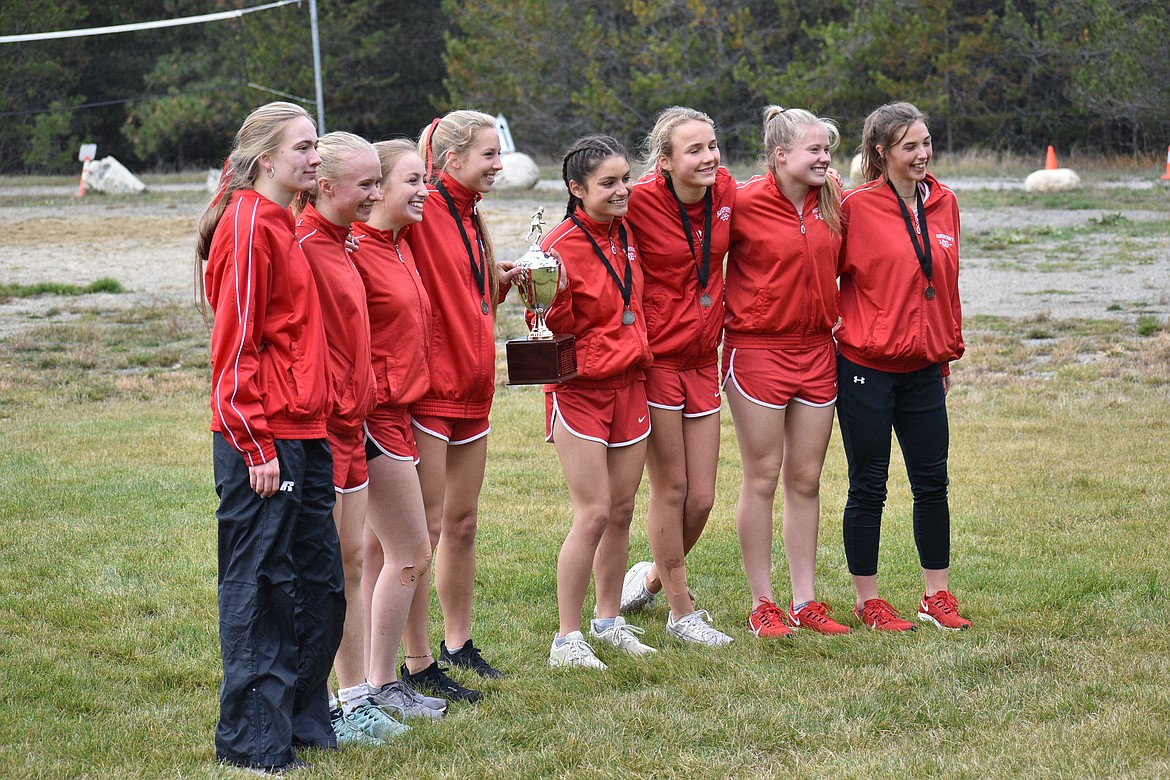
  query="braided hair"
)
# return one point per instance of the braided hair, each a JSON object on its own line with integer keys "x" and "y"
{"x": 583, "y": 158}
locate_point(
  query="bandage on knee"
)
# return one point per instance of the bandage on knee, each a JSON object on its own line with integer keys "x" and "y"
{"x": 417, "y": 570}
{"x": 676, "y": 578}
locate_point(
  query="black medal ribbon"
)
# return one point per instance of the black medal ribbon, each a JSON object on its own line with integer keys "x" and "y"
{"x": 702, "y": 265}
{"x": 478, "y": 271}
{"x": 922, "y": 250}
{"x": 626, "y": 288}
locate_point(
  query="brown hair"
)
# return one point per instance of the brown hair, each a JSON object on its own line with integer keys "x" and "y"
{"x": 582, "y": 158}
{"x": 884, "y": 127}
{"x": 783, "y": 129}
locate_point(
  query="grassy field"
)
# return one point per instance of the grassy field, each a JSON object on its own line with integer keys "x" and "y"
{"x": 109, "y": 660}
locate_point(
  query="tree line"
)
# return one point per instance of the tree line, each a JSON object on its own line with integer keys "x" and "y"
{"x": 1085, "y": 75}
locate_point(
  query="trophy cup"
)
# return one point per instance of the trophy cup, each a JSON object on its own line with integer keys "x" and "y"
{"x": 541, "y": 358}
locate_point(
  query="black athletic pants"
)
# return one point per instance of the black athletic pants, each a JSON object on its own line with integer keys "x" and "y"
{"x": 871, "y": 404}
{"x": 281, "y": 605}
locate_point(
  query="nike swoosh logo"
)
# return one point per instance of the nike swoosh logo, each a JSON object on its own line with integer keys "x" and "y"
{"x": 642, "y": 419}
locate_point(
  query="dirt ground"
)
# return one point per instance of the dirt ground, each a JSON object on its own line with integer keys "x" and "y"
{"x": 147, "y": 246}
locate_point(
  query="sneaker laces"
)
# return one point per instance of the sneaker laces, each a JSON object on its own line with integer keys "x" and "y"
{"x": 576, "y": 650}
{"x": 944, "y": 602}
{"x": 624, "y": 634}
{"x": 768, "y": 614}
{"x": 880, "y": 611}
{"x": 816, "y": 612}
{"x": 699, "y": 623}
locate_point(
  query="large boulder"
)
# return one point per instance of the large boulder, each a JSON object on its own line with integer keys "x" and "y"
{"x": 855, "y": 179}
{"x": 111, "y": 177}
{"x": 520, "y": 172}
{"x": 1052, "y": 180}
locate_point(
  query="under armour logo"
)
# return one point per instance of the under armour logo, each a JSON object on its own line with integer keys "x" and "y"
{"x": 287, "y": 486}
{"x": 859, "y": 380}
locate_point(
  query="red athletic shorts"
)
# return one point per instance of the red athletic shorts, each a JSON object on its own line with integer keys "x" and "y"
{"x": 349, "y": 460}
{"x": 613, "y": 417}
{"x": 774, "y": 377}
{"x": 694, "y": 391}
{"x": 389, "y": 433}
{"x": 453, "y": 430}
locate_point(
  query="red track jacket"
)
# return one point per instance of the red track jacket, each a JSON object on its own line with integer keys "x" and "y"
{"x": 683, "y": 334}
{"x": 268, "y": 355}
{"x": 886, "y": 321}
{"x": 781, "y": 270}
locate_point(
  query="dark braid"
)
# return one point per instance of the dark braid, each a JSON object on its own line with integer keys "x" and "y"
{"x": 583, "y": 158}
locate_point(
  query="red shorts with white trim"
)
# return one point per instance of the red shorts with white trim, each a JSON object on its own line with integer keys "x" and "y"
{"x": 349, "y": 460}
{"x": 389, "y": 433}
{"x": 694, "y": 391}
{"x": 453, "y": 430}
{"x": 613, "y": 417}
{"x": 774, "y": 377}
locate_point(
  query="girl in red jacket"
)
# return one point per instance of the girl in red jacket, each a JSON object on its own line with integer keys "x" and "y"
{"x": 464, "y": 282}
{"x": 901, "y": 325}
{"x": 779, "y": 362}
{"x": 398, "y": 550}
{"x": 281, "y": 598}
{"x": 681, "y": 210}
{"x": 600, "y": 420}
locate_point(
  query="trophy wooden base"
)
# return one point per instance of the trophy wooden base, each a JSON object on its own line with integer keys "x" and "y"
{"x": 542, "y": 362}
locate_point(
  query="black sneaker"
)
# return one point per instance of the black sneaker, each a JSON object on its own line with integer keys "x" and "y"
{"x": 434, "y": 680}
{"x": 468, "y": 657}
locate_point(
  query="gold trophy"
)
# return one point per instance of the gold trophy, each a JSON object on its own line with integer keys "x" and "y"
{"x": 542, "y": 357}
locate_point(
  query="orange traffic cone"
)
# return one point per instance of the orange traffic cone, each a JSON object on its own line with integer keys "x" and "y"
{"x": 1050, "y": 163}
{"x": 1167, "y": 176}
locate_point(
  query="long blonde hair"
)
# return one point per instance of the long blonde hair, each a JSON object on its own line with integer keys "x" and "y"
{"x": 884, "y": 127}
{"x": 456, "y": 132}
{"x": 260, "y": 134}
{"x": 783, "y": 129}
{"x": 660, "y": 142}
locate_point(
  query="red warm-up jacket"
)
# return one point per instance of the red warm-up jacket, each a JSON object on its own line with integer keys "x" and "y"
{"x": 591, "y": 306}
{"x": 268, "y": 354}
{"x": 463, "y": 347}
{"x": 781, "y": 290}
{"x": 347, "y": 322}
{"x": 400, "y": 315}
{"x": 683, "y": 333}
{"x": 887, "y": 323}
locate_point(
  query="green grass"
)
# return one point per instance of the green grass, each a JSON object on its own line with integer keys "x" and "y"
{"x": 105, "y": 284}
{"x": 109, "y": 652}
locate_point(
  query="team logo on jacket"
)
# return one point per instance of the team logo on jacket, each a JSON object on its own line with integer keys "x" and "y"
{"x": 631, "y": 254}
{"x": 724, "y": 213}
{"x": 817, "y": 213}
{"x": 945, "y": 241}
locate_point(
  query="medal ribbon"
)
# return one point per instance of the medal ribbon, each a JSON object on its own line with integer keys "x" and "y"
{"x": 923, "y": 249}
{"x": 627, "y": 288}
{"x": 703, "y": 266}
{"x": 478, "y": 271}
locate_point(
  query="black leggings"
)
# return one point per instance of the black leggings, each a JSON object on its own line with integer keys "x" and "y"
{"x": 871, "y": 403}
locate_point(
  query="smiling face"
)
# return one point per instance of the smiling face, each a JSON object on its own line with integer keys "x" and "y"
{"x": 405, "y": 191}
{"x": 476, "y": 168}
{"x": 605, "y": 194}
{"x": 807, "y": 162}
{"x": 293, "y": 166}
{"x": 693, "y": 160}
{"x": 906, "y": 159}
{"x": 351, "y": 196}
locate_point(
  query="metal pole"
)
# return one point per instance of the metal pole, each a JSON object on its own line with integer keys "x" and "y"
{"x": 317, "y": 68}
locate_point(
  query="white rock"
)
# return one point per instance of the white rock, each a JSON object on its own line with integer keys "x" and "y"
{"x": 1052, "y": 180}
{"x": 111, "y": 177}
{"x": 213, "y": 175}
{"x": 855, "y": 179}
{"x": 520, "y": 172}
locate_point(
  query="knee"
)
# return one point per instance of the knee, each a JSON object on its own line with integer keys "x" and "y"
{"x": 699, "y": 504}
{"x": 415, "y": 570}
{"x": 461, "y": 528}
{"x": 803, "y": 483}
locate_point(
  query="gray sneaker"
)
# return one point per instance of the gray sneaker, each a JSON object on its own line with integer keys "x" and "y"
{"x": 635, "y": 594}
{"x": 574, "y": 652}
{"x": 624, "y": 637}
{"x": 696, "y": 628}
{"x": 399, "y": 696}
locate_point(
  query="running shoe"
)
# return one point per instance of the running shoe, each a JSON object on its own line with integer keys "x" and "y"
{"x": 696, "y": 628}
{"x": 880, "y": 616}
{"x": 943, "y": 610}
{"x": 372, "y": 721}
{"x": 434, "y": 680}
{"x": 574, "y": 652}
{"x": 767, "y": 621}
{"x": 635, "y": 594}
{"x": 468, "y": 657}
{"x": 815, "y": 617}
{"x": 623, "y": 636}
{"x": 399, "y": 696}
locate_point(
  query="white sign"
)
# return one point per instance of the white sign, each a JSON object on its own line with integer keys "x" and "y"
{"x": 88, "y": 152}
{"x": 506, "y": 144}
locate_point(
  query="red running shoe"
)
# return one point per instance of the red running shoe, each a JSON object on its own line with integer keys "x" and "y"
{"x": 880, "y": 616}
{"x": 815, "y": 617}
{"x": 943, "y": 610}
{"x": 768, "y": 621}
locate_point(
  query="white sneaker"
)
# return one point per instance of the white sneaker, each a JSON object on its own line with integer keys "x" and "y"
{"x": 574, "y": 651}
{"x": 635, "y": 594}
{"x": 622, "y": 636}
{"x": 697, "y": 629}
